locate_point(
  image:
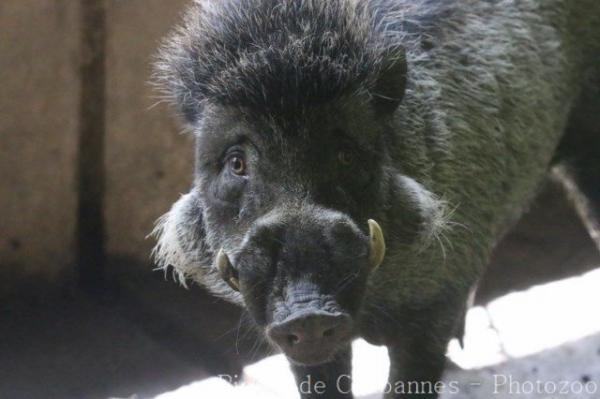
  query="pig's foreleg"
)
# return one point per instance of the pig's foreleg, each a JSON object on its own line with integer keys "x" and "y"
{"x": 416, "y": 368}
{"x": 330, "y": 380}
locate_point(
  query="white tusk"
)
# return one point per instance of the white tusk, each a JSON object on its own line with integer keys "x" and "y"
{"x": 376, "y": 245}
{"x": 226, "y": 270}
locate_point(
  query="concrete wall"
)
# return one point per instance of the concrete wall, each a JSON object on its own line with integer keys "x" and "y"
{"x": 148, "y": 163}
{"x": 39, "y": 61}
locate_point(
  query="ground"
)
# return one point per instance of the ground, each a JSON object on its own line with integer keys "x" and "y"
{"x": 540, "y": 343}
{"x": 82, "y": 348}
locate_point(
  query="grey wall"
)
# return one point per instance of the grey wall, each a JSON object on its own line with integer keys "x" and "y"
{"x": 146, "y": 162}
{"x": 39, "y": 62}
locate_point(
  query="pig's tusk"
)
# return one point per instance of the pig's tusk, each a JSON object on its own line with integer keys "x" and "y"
{"x": 376, "y": 245}
{"x": 226, "y": 270}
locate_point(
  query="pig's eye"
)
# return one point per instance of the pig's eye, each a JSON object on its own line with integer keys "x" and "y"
{"x": 345, "y": 157}
{"x": 237, "y": 164}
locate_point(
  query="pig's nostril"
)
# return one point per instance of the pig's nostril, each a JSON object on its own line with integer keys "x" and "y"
{"x": 311, "y": 330}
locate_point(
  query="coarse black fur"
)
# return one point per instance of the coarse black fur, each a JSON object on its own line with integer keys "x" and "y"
{"x": 237, "y": 53}
{"x": 437, "y": 119}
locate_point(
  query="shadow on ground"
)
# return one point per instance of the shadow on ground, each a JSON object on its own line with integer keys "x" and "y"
{"x": 146, "y": 336}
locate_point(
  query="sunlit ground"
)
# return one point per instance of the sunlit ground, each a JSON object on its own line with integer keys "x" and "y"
{"x": 540, "y": 343}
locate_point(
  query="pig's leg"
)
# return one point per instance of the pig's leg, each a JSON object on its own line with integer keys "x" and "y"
{"x": 418, "y": 350}
{"x": 329, "y": 380}
{"x": 415, "y": 369}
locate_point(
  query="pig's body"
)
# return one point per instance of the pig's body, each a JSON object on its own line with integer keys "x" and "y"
{"x": 491, "y": 87}
{"x": 488, "y": 93}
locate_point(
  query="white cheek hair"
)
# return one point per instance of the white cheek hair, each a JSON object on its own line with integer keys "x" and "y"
{"x": 169, "y": 250}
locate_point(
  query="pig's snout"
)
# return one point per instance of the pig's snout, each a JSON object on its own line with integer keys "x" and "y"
{"x": 303, "y": 278}
{"x": 308, "y": 337}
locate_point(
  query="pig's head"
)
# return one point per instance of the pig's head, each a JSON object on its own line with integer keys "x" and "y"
{"x": 290, "y": 105}
{"x": 287, "y": 215}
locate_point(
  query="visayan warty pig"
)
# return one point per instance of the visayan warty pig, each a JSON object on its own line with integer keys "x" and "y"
{"x": 357, "y": 161}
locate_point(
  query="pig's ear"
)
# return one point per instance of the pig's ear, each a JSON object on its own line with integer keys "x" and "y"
{"x": 391, "y": 83}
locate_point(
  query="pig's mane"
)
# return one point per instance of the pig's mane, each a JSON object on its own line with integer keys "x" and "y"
{"x": 276, "y": 56}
